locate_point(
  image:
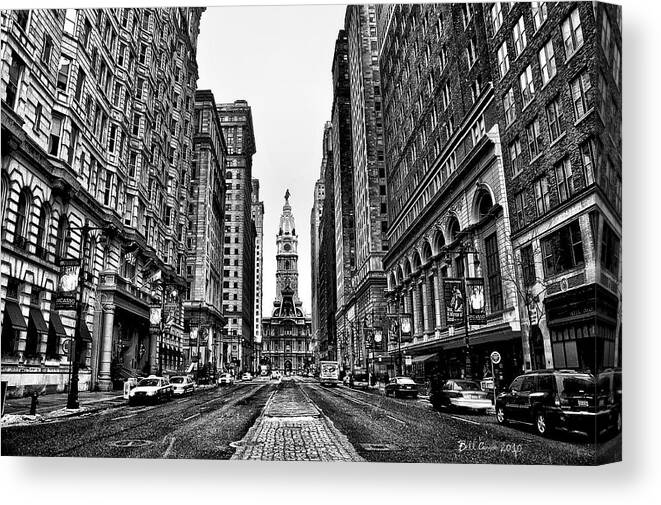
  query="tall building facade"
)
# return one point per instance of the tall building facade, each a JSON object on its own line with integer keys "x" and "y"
{"x": 449, "y": 230}
{"x": 203, "y": 308}
{"x": 326, "y": 285}
{"x": 258, "y": 219}
{"x": 315, "y": 220}
{"x": 239, "y": 251}
{"x": 557, "y": 82}
{"x": 287, "y": 343}
{"x": 366, "y": 309}
{"x": 345, "y": 239}
{"x": 91, "y": 134}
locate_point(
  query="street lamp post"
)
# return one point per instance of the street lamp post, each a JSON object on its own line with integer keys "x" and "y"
{"x": 463, "y": 253}
{"x": 72, "y": 397}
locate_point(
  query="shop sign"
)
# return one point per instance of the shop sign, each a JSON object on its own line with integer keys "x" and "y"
{"x": 453, "y": 299}
{"x": 477, "y": 313}
{"x": 67, "y": 286}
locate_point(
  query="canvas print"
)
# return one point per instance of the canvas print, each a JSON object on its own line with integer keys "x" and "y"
{"x": 454, "y": 297}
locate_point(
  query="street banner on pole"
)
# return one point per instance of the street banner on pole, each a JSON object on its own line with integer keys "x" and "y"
{"x": 67, "y": 287}
{"x": 407, "y": 334}
{"x": 155, "y": 318}
{"x": 477, "y": 313}
{"x": 453, "y": 299}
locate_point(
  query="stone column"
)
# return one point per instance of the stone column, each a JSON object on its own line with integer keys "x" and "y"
{"x": 105, "y": 381}
{"x": 425, "y": 303}
{"x": 436, "y": 286}
{"x": 416, "y": 308}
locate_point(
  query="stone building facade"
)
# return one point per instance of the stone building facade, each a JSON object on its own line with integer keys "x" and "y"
{"x": 258, "y": 219}
{"x": 315, "y": 220}
{"x": 366, "y": 308}
{"x": 557, "y": 82}
{"x": 287, "y": 343}
{"x": 239, "y": 251}
{"x": 92, "y": 134}
{"x": 203, "y": 309}
{"x": 447, "y": 199}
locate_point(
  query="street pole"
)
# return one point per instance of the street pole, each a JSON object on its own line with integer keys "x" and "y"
{"x": 161, "y": 334}
{"x": 468, "y": 374}
{"x": 72, "y": 398}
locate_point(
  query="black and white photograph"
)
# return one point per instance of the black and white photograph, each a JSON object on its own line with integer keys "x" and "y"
{"x": 367, "y": 233}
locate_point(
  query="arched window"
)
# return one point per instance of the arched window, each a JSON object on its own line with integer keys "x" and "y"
{"x": 22, "y": 218}
{"x": 5, "y": 196}
{"x": 453, "y": 228}
{"x": 42, "y": 230}
{"x": 484, "y": 204}
{"x": 60, "y": 240}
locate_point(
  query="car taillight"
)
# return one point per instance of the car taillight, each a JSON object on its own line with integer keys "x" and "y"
{"x": 561, "y": 402}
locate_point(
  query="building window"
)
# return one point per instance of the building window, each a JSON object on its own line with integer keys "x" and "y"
{"x": 55, "y": 135}
{"x": 554, "y": 118}
{"x": 22, "y": 17}
{"x": 493, "y": 273}
{"x": 564, "y": 180}
{"x": 496, "y": 17}
{"x": 519, "y": 35}
{"x": 63, "y": 73}
{"x": 87, "y": 30}
{"x": 70, "y": 21}
{"x": 16, "y": 70}
{"x": 562, "y": 250}
{"x": 539, "y": 13}
{"x": 534, "y": 139}
{"x": 79, "y": 84}
{"x": 471, "y": 52}
{"x": 515, "y": 157}
{"x": 519, "y": 209}
{"x": 610, "y": 250}
{"x": 503, "y": 59}
{"x": 510, "y": 108}
{"x": 527, "y": 86}
{"x": 22, "y": 217}
{"x": 579, "y": 93}
{"x": 547, "y": 62}
{"x": 542, "y": 197}
{"x": 572, "y": 33}
{"x": 47, "y": 50}
{"x": 588, "y": 152}
{"x": 617, "y": 63}
{"x": 528, "y": 266}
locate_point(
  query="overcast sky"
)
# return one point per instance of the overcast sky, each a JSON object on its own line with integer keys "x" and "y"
{"x": 279, "y": 60}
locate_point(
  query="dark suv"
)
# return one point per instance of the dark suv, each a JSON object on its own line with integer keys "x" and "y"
{"x": 554, "y": 399}
{"x": 609, "y": 383}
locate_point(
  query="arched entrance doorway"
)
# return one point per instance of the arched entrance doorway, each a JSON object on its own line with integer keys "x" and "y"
{"x": 288, "y": 367}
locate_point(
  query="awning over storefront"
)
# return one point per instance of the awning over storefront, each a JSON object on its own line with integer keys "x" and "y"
{"x": 57, "y": 325}
{"x": 424, "y": 357}
{"x": 13, "y": 312}
{"x": 85, "y": 333}
{"x": 37, "y": 319}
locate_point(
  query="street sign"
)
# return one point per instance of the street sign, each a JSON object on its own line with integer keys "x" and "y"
{"x": 66, "y": 345}
{"x": 408, "y": 360}
{"x": 495, "y": 357}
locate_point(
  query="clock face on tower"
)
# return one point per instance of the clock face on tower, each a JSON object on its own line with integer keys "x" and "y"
{"x": 287, "y": 247}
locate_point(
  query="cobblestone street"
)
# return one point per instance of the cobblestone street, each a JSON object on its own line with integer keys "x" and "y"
{"x": 292, "y": 428}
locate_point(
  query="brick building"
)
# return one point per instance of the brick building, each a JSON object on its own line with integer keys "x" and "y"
{"x": 203, "y": 309}
{"x": 239, "y": 251}
{"x": 557, "y": 78}
{"x": 287, "y": 343}
{"x": 447, "y": 201}
{"x": 345, "y": 240}
{"x": 96, "y": 128}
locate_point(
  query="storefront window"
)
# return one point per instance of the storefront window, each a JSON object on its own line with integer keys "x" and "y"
{"x": 562, "y": 250}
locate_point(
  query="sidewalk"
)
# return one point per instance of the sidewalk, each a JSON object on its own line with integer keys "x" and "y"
{"x": 56, "y": 401}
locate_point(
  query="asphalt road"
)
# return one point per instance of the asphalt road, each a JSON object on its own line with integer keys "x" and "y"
{"x": 198, "y": 426}
{"x": 206, "y": 424}
{"x": 393, "y": 430}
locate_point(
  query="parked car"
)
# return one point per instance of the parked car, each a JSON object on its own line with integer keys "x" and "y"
{"x": 226, "y": 379}
{"x": 402, "y": 386}
{"x": 182, "y": 384}
{"x": 151, "y": 389}
{"x": 247, "y": 376}
{"x": 553, "y": 399}
{"x": 461, "y": 394}
{"x": 359, "y": 381}
{"x": 275, "y": 375}
{"x": 609, "y": 384}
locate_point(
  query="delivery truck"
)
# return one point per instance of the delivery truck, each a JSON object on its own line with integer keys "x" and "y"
{"x": 329, "y": 373}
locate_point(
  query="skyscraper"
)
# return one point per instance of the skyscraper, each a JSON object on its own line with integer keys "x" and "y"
{"x": 239, "y": 251}
{"x": 258, "y": 219}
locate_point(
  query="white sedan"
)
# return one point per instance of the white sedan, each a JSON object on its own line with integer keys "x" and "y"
{"x": 151, "y": 389}
{"x": 182, "y": 384}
